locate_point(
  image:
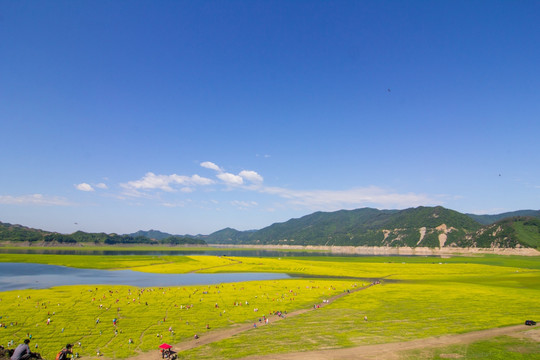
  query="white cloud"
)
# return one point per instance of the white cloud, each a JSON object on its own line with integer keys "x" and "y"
{"x": 102, "y": 186}
{"x": 330, "y": 200}
{"x": 199, "y": 180}
{"x": 231, "y": 179}
{"x": 244, "y": 204}
{"x": 84, "y": 187}
{"x": 492, "y": 211}
{"x": 251, "y": 181}
{"x": 34, "y": 199}
{"x": 151, "y": 181}
{"x": 252, "y": 176}
{"x": 173, "y": 205}
{"x": 211, "y": 165}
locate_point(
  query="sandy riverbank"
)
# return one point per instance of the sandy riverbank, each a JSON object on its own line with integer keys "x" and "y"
{"x": 385, "y": 250}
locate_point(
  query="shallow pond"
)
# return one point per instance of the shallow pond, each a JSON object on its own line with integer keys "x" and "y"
{"x": 14, "y": 276}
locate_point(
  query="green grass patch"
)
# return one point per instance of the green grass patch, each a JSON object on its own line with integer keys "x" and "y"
{"x": 526, "y": 347}
{"x": 396, "y": 312}
{"x": 158, "y": 264}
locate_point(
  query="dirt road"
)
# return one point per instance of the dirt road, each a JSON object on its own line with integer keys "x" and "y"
{"x": 386, "y": 351}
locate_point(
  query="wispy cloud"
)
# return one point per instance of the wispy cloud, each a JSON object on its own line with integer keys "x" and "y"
{"x": 233, "y": 179}
{"x": 330, "y": 200}
{"x": 244, "y": 204}
{"x": 230, "y": 179}
{"x": 251, "y": 176}
{"x": 84, "y": 187}
{"x": 34, "y": 199}
{"x": 89, "y": 188}
{"x": 251, "y": 181}
{"x": 497, "y": 210}
{"x": 176, "y": 204}
{"x": 167, "y": 183}
{"x": 211, "y": 166}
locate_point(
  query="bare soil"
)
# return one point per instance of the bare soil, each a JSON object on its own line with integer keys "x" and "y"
{"x": 391, "y": 351}
{"x": 387, "y": 250}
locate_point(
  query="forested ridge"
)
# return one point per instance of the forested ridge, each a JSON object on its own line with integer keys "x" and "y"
{"x": 422, "y": 226}
{"x": 19, "y": 233}
{"x": 415, "y": 227}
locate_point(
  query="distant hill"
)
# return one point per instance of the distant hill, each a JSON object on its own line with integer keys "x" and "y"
{"x": 9, "y": 232}
{"x": 518, "y": 231}
{"x": 414, "y": 227}
{"x": 152, "y": 234}
{"x": 18, "y": 233}
{"x": 228, "y": 236}
{"x": 490, "y": 219}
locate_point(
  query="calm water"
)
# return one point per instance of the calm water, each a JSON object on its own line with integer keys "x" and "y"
{"x": 224, "y": 252}
{"x": 14, "y": 276}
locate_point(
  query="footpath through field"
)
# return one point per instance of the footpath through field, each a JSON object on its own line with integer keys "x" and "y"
{"x": 385, "y": 351}
{"x": 391, "y": 351}
{"x": 223, "y": 334}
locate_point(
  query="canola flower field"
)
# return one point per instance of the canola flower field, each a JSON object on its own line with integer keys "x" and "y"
{"x": 417, "y": 298}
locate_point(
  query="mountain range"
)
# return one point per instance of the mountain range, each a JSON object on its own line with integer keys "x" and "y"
{"x": 414, "y": 227}
{"x": 431, "y": 227}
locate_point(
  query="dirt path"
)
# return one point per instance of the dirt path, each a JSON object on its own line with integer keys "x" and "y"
{"x": 390, "y": 351}
{"x": 385, "y": 351}
{"x": 223, "y": 334}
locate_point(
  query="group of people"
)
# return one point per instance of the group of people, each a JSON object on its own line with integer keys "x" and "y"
{"x": 168, "y": 354}
{"x": 22, "y": 352}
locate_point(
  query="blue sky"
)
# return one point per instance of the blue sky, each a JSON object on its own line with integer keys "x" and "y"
{"x": 193, "y": 116}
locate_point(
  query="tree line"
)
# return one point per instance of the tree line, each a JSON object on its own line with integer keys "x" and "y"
{"x": 17, "y": 233}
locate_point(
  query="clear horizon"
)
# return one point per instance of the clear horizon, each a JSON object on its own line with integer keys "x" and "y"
{"x": 190, "y": 117}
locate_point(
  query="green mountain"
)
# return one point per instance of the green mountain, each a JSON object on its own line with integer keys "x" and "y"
{"x": 519, "y": 231}
{"x": 228, "y": 236}
{"x": 490, "y": 219}
{"x": 414, "y": 227}
{"x": 18, "y": 233}
{"x": 9, "y": 232}
{"x": 152, "y": 234}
